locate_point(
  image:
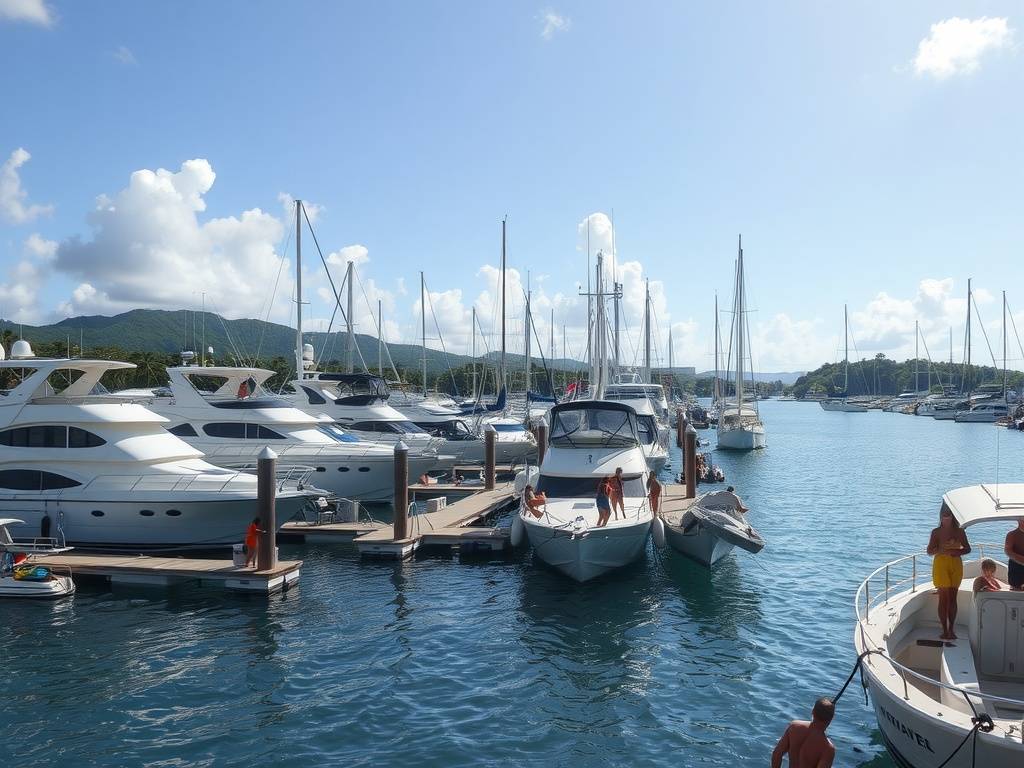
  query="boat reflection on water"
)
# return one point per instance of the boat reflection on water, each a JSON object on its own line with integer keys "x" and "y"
{"x": 717, "y": 599}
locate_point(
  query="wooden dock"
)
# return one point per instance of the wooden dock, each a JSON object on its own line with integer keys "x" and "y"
{"x": 420, "y": 492}
{"x": 674, "y": 502}
{"x": 450, "y": 526}
{"x": 148, "y": 570}
{"x": 327, "y": 533}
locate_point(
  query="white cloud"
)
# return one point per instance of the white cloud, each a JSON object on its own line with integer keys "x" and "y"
{"x": 358, "y": 254}
{"x": 552, "y": 23}
{"x": 955, "y": 46}
{"x": 32, "y": 11}
{"x": 40, "y": 247}
{"x": 19, "y": 295}
{"x": 124, "y": 55}
{"x": 13, "y": 199}
{"x": 150, "y": 249}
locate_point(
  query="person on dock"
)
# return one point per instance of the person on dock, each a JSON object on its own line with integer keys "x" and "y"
{"x": 604, "y": 502}
{"x": 617, "y": 494}
{"x": 806, "y": 742}
{"x": 947, "y": 545}
{"x": 534, "y": 501}
{"x": 252, "y": 540}
{"x": 653, "y": 491}
{"x": 987, "y": 582}
{"x": 1014, "y": 548}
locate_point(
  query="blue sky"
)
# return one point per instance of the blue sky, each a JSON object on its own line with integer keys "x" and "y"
{"x": 869, "y": 153}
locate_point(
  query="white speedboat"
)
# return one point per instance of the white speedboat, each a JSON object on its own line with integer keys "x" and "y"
{"x": 928, "y": 693}
{"x": 739, "y": 425}
{"x": 983, "y": 413}
{"x": 708, "y": 530}
{"x": 589, "y": 440}
{"x": 105, "y": 471}
{"x": 22, "y": 574}
{"x": 843, "y": 405}
{"x": 225, "y": 413}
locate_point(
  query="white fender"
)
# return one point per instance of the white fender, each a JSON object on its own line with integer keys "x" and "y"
{"x": 658, "y": 532}
{"x": 520, "y": 483}
{"x": 518, "y": 532}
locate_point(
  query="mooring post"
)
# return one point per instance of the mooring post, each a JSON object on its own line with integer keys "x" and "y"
{"x": 266, "y": 492}
{"x": 542, "y": 439}
{"x": 490, "y": 448}
{"x": 680, "y": 427}
{"x": 690, "y": 461}
{"x": 401, "y": 528}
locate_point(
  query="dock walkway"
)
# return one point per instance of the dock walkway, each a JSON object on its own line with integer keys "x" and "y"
{"x": 164, "y": 571}
{"x": 674, "y": 503}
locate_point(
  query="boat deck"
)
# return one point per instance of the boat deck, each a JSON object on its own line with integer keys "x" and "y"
{"x": 674, "y": 503}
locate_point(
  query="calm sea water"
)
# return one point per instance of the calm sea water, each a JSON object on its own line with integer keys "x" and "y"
{"x": 437, "y": 662}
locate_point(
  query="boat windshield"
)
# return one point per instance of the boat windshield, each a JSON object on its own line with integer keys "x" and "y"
{"x": 585, "y": 487}
{"x": 589, "y": 425}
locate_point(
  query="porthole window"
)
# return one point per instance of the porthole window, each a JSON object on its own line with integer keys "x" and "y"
{"x": 321, "y": 469}
{"x": 146, "y": 512}
{"x": 364, "y": 469}
{"x": 343, "y": 469}
{"x": 97, "y": 513}
{"x": 173, "y": 513}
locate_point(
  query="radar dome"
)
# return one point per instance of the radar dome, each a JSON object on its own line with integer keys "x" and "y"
{"x": 21, "y": 350}
{"x": 307, "y": 351}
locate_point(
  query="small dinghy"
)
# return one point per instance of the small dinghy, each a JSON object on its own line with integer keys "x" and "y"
{"x": 709, "y": 529}
{"x": 21, "y": 575}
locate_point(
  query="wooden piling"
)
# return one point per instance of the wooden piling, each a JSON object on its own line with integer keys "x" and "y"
{"x": 690, "y": 461}
{"x": 401, "y": 527}
{"x": 266, "y": 492}
{"x": 490, "y": 450}
{"x": 680, "y": 427}
{"x": 542, "y": 439}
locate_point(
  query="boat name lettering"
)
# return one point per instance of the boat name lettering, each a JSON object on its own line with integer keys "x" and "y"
{"x": 909, "y": 733}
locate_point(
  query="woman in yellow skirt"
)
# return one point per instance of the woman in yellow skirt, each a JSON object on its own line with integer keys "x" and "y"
{"x": 948, "y": 543}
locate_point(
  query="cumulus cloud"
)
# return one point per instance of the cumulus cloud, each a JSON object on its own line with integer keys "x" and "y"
{"x": 552, "y": 23}
{"x": 358, "y": 254}
{"x": 150, "y": 249}
{"x": 30, "y": 11}
{"x": 124, "y": 55}
{"x": 14, "y": 205}
{"x": 19, "y": 294}
{"x": 955, "y": 46}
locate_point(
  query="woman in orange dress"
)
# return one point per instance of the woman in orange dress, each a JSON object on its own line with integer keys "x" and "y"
{"x": 252, "y": 539}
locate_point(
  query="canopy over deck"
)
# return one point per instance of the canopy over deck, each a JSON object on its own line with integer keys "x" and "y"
{"x": 986, "y": 503}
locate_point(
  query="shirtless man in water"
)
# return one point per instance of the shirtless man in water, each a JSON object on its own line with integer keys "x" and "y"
{"x": 806, "y": 743}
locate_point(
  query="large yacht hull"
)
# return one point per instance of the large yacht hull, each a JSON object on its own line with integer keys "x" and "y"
{"x": 742, "y": 438}
{"x": 588, "y": 555}
{"x": 124, "y": 525}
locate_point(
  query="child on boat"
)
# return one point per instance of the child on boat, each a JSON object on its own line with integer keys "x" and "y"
{"x": 987, "y": 582}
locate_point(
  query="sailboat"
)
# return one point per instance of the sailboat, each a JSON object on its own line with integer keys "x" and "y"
{"x": 589, "y": 440}
{"x": 739, "y": 425}
{"x": 842, "y": 403}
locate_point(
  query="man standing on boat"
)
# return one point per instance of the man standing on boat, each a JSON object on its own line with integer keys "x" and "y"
{"x": 806, "y": 742}
{"x": 1014, "y": 549}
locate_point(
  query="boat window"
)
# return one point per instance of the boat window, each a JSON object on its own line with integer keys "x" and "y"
{"x": 34, "y": 480}
{"x": 259, "y": 432}
{"x": 183, "y": 430}
{"x": 585, "y": 487}
{"x": 173, "y": 513}
{"x": 645, "y": 429}
{"x": 146, "y": 512}
{"x": 314, "y": 397}
{"x": 232, "y": 429}
{"x": 336, "y": 433}
{"x": 79, "y": 438}
{"x": 508, "y": 427}
{"x": 97, "y": 513}
{"x": 591, "y": 424}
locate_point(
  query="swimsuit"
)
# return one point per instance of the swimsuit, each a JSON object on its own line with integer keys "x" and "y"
{"x": 1015, "y": 574}
{"x": 947, "y": 571}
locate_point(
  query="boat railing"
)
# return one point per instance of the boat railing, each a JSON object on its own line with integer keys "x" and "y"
{"x": 285, "y": 477}
{"x": 893, "y": 579}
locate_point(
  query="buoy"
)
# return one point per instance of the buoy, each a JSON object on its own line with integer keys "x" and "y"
{"x": 658, "y": 533}
{"x": 516, "y": 534}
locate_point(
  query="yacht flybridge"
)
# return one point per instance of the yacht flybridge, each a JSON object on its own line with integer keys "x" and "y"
{"x": 929, "y": 693}
{"x": 104, "y": 472}
{"x": 225, "y": 412}
{"x": 739, "y": 422}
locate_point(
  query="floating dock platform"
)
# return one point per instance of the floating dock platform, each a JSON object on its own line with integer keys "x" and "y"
{"x": 327, "y": 533}
{"x": 148, "y": 570}
{"x": 449, "y": 526}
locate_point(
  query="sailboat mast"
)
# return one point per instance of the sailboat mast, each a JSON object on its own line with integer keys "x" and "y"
{"x": 739, "y": 328}
{"x": 298, "y": 289}
{"x": 351, "y": 340}
{"x": 671, "y": 367}
{"x": 526, "y": 385}
{"x": 423, "y": 325}
{"x": 502, "y": 365}
{"x": 846, "y": 352}
{"x": 966, "y": 383}
{"x": 917, "y": 358}
{"x": 600, "y": 350}
{"x": 647, "y": 333}
{"x": 716, "y": 388}
{"x": 472, "y": 351}
{"x": 1004, "y": 346}
{"x": 380, "y": 340}
{"x": 615, "y": 340}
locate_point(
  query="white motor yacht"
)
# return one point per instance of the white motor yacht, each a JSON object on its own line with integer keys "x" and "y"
{"x": 21, "y": 572}
{"x": 930, "y": 694}
{"x": 984, "y": 413}
{"x": 648, "y": 400}
{"x": 843, "y": 405}
{"x": 103, "y": 470}
{"x": 460, "y": 435}
{"x": 903, "y": 402}
{"x": 589, "y": 440}
{"x": 225, "y": 412}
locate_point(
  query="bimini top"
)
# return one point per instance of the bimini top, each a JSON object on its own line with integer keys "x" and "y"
{"x": 590, "y": 423}
{"x": 986, "y": 503}
{"x": 350, "y": 388}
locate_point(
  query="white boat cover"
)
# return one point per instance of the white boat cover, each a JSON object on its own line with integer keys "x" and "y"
{"x": 986, "y": 503}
